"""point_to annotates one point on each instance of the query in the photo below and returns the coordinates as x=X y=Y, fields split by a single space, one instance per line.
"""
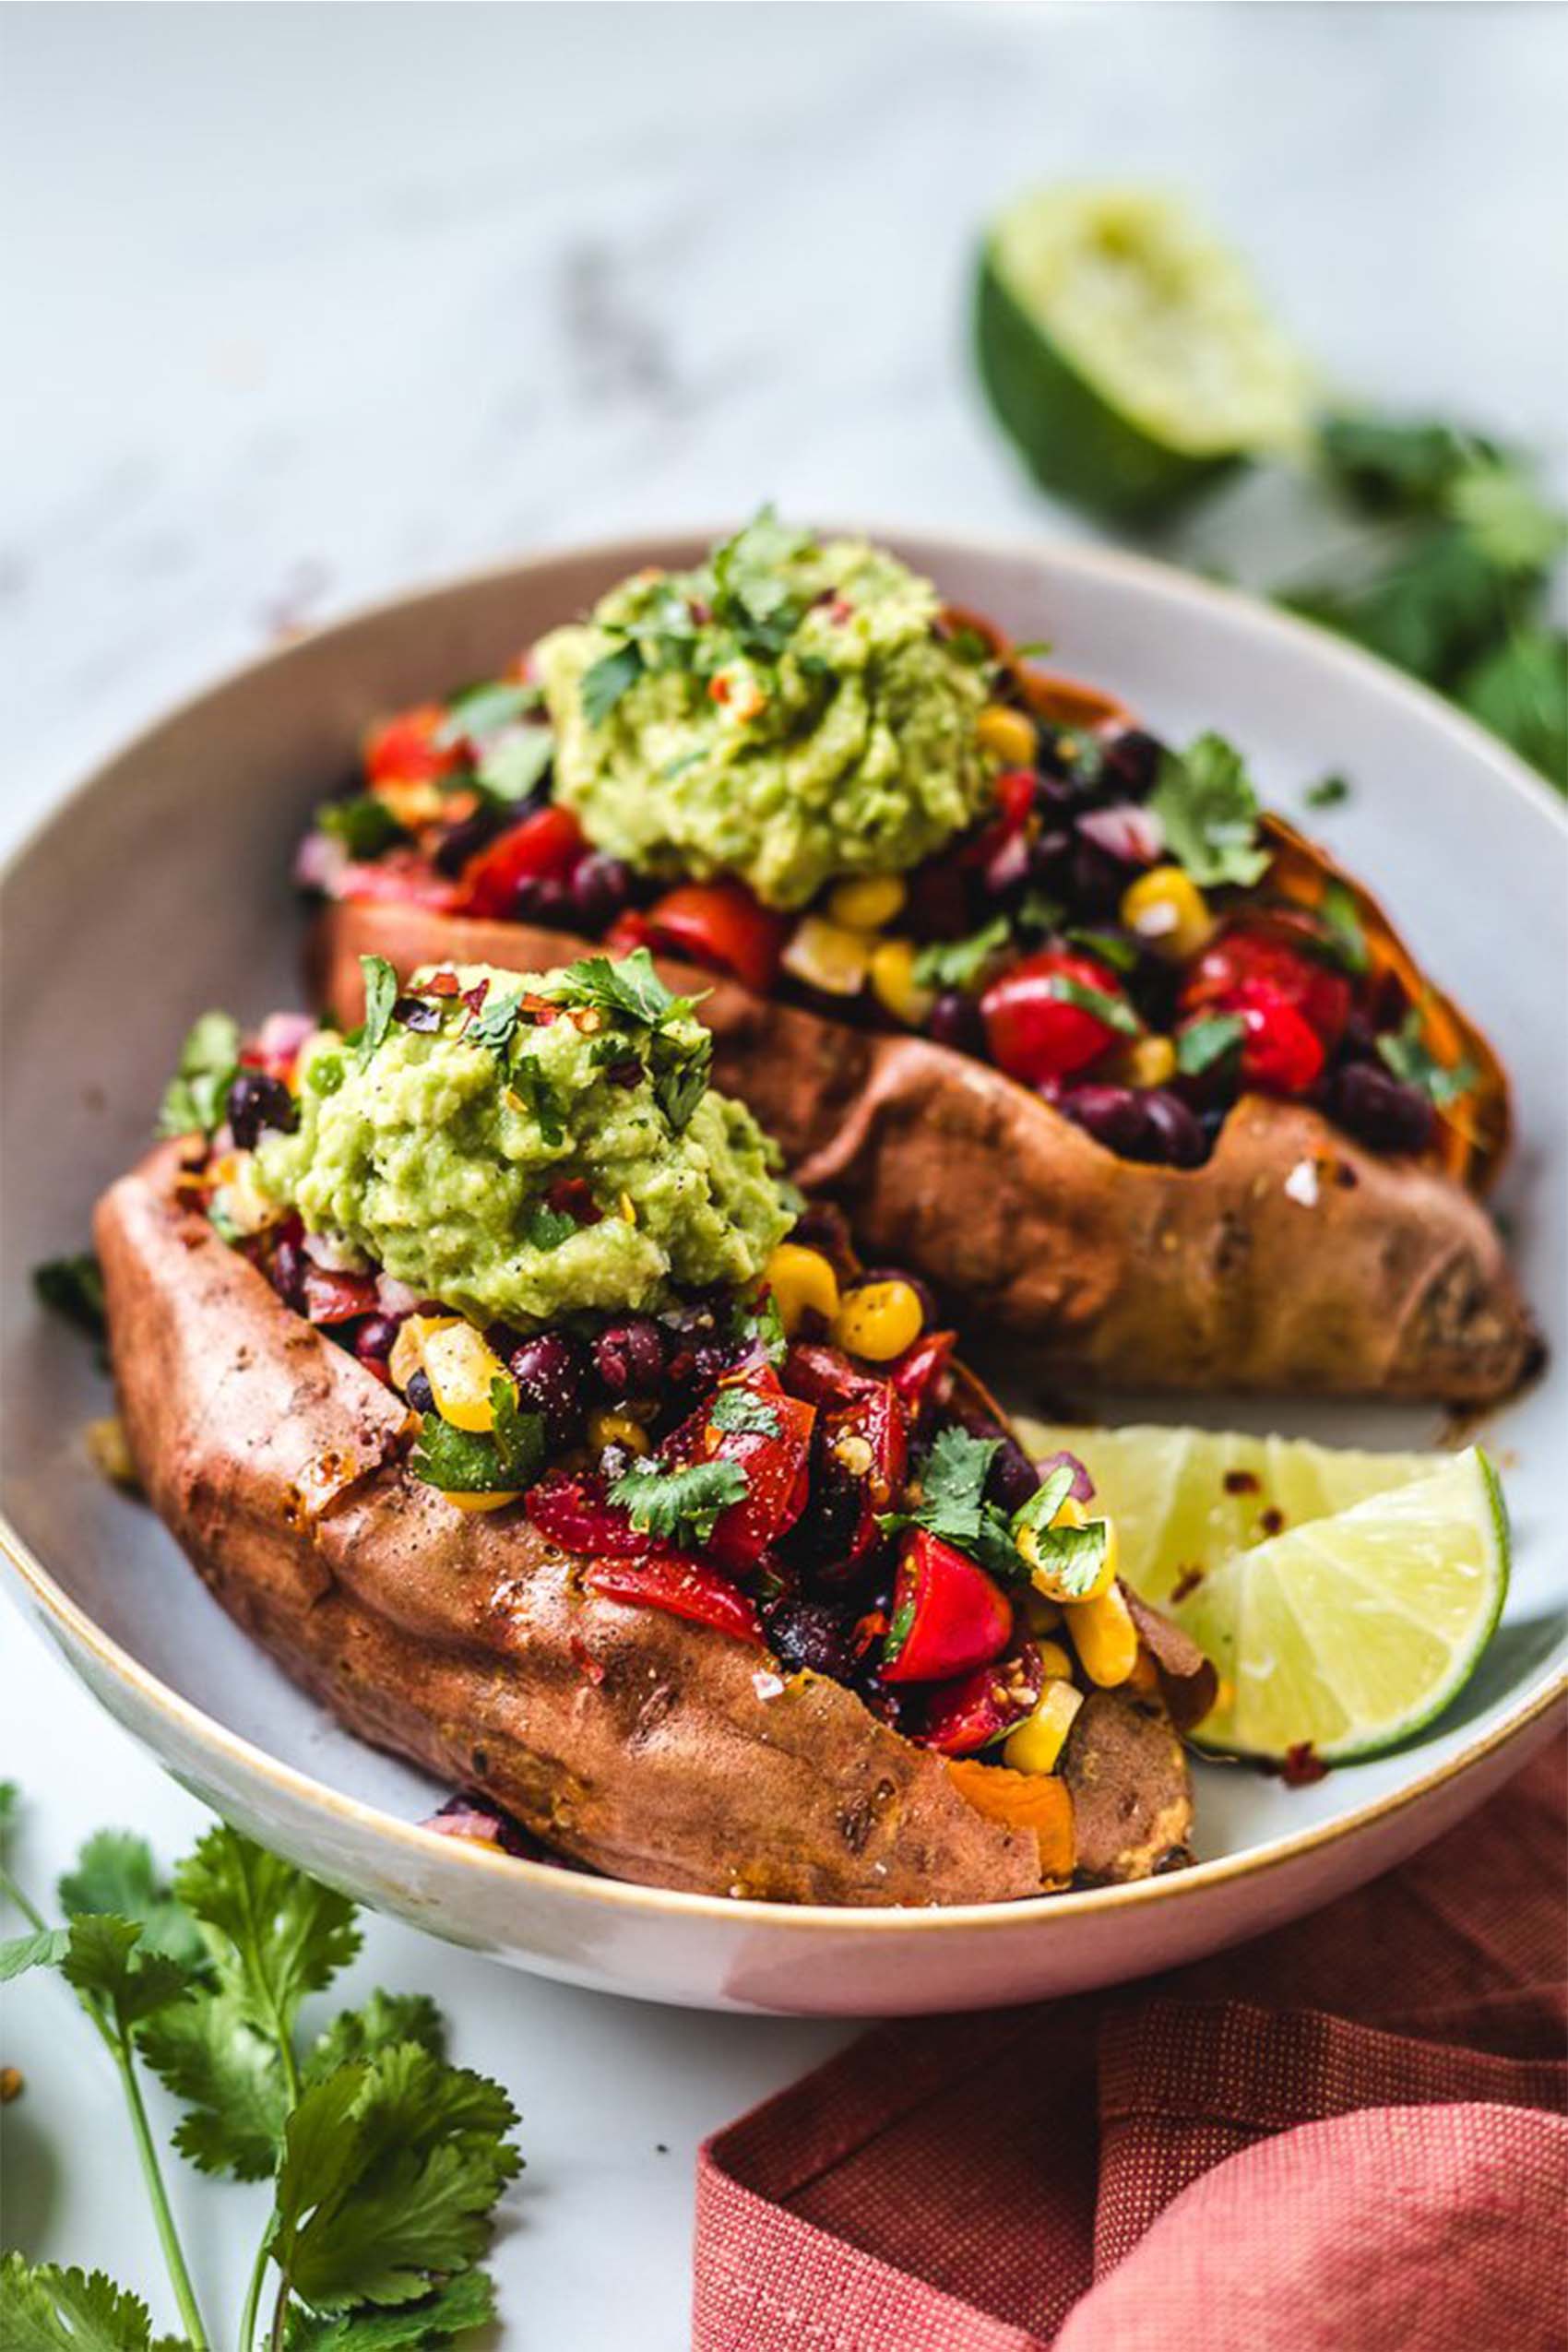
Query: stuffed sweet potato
x=471 y=1371
x=980 y=940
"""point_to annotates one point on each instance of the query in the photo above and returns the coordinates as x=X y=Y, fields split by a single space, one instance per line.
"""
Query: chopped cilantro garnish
x=1073 y=1555
x=682 y=1505
x=1328 y=792
x=1204 y=802
x=209 y=1060
x=606 y=679
x=531 y=1083
x=1341 y=919
x=484 y=710
x=1114 y=1010
x=1404 y=1051
x=1112 y=947
x=73 y=1288
x=953 y=1504
x=545 y=1228
x=742 y=1412
x=365 y=824
x=1201 y=1043
x=380 y=996
x=512 y=764
x=462 y=1461
x=628 y=988
x=961 y=962
x=495 y=1023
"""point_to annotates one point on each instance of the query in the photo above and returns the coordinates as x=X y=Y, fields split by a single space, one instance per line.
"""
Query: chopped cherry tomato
x=1281 y=1053
x=719 y=924
x=980 y=1707
x=777 y=1464
x=401 y=878
x=544 y=848
x=627 y=934
x=275 y=1048
x=1015 y=805
x=405 y=750
x=573 y=1513
x=1035 y=1031
x=1247 y=952
x=948 y=1616
x=685 y=1588
x=920 y=1374
x=824 y=1376
x=337 y=1297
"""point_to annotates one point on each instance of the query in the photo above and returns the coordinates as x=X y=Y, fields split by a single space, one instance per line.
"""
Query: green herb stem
x=168 y=2236
x=253 y=2292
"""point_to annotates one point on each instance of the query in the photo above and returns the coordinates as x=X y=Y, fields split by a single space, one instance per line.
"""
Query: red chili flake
x=572 y=1196
x=449 y=984
x=474 y=997
x=1240 y=1482
x=588 y=1666
x=871 y=1627
x=540 y=1011
x=1187 y=1582
x=841 y=610
x=1272 y=1520
x=1302 y=1765
x=718 y=689
x=701 y=613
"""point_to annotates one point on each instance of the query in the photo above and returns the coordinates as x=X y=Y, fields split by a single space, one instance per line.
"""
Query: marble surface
x=315 y=301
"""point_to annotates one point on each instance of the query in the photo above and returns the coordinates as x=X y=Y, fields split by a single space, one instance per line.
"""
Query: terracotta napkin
x=1349 y=2136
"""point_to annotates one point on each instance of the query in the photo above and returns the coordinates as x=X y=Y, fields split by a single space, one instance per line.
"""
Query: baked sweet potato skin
x=1293 y=1260
x=626 y=1739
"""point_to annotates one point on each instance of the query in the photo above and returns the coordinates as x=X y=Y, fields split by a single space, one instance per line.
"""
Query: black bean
x=420 y=1393
x=1380 y=1110
x=1012 y=1478
x=1179 y=1129
x=1146 y=1123
x=601 y=887
x=955 y=1020
x=375 y=1338
x=629 y=1359
x=1132 y=763
x=256 y=1101
x=811 y=1636
x=551 y=1377
x=465 y=840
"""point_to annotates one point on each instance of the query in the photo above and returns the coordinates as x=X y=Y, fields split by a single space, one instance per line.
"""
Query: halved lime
x=1347 y=1629
x=1126 y=352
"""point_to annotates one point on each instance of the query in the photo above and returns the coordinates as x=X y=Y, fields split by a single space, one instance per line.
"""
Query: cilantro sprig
x=1405 y=1052
x=683 y=1505
x=631 y=998
x=194 y=1098
x=505 y=1459
x=385 y=2161
x=1208 y=811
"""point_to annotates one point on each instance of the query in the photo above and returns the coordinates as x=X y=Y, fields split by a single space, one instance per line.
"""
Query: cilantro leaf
x=1201 y=1043
x=1072 y=1557
x=384 y=2018
x=272 y=1934
x=1519 y=689
x=114 y=1872
x=45 y=2309
x=961 y=962
x=760 y=1325
x=101 y=1960
x=953 y=1480
x=41 y=1948
x=209 y=1060
x=680 y=1078
x=606 y=679
x=1506 y=518
x=1343 y=932
x=364 y=825
x=680 y=1505
x=1328 y=793
x=380 y=996
x=1046 y=1501
x=1405 y=1052
x=531 y=1081
x=1112 y=947
x=1396 y=464
x=545 y=1228
x=742 y=1412
x=229 y=2078
x=1114 y=1010
x=74 y=1288
x=485 y=710
x=466 y=2301
x=1208 y=810
x=495 y=1023
x=503 y=1460
x=515 y=763
x=628 y=988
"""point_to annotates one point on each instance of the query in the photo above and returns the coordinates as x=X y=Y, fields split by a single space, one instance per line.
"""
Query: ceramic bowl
x=161 y=887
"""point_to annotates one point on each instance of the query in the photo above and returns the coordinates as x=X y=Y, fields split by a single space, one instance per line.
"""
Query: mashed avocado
x=467 y=1160
x=784 y=713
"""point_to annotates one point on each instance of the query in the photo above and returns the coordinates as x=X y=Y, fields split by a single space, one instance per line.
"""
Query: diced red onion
x=1081 y=1488
x=337 y=1258
x=394 y=1298
x=319 y=862
x=1126 y=831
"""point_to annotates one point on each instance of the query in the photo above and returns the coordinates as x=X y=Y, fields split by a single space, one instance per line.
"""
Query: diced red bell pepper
x=545 y=846
x=337 y=1297
x=864 y=1449
x=401 y=878
x=1015 y=804
x=573 y=1513
x=824 y=1375
x=948 y=1615
x=685 y=1588
x=920 y=1374
x=970 y=1713
x=721 y=926
x=1035 y=1031
x=1281 y=1053
x=1245 y=953
x=404 y=749
x=777 y=1469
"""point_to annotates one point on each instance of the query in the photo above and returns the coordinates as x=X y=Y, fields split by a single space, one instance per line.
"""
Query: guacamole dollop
x=549 y=1145
x=785 y=713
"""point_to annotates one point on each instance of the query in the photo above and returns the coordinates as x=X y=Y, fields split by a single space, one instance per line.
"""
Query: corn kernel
x=479 y=1501
x=895 y=986
x=1036 y=1743
x=827 y=955
x=1167 y=911
x=879 y=1321
x=869 y=902
x=407 y=1348
x=1006 y=734
x=109 y=1449
x=801 y=1282
x=412 y=800
x=1104 y=1636
x=460 y=1364
x=1143 y=1062
x=616 y=1429
x=1055 y=1663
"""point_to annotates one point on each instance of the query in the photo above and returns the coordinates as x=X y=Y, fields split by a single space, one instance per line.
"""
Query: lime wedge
x=1183 y=1500
x=1126 y=352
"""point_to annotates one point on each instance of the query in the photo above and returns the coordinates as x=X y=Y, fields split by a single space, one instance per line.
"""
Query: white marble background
x=305 y=303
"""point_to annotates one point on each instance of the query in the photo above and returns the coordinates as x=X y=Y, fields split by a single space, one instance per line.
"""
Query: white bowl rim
x=561 y=1883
